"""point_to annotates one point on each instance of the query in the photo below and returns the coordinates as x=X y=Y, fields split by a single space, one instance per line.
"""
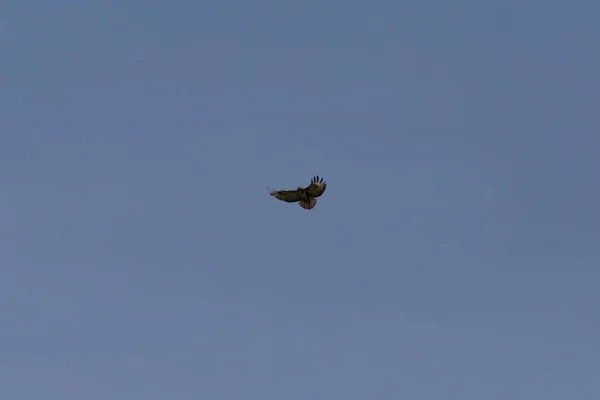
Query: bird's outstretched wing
x=290 y=196
x=317 y=187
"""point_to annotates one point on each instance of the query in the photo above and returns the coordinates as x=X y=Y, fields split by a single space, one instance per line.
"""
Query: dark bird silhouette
x=307 y=197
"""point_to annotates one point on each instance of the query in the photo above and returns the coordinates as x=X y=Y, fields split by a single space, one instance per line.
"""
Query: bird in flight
x=307 y=197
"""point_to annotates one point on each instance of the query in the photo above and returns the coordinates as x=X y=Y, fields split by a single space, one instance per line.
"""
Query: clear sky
x=455 y=254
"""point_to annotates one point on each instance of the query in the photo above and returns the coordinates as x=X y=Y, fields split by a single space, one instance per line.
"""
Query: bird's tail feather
x=309 y=203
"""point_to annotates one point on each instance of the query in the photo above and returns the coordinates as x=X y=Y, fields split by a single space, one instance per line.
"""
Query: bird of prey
x=307 y=197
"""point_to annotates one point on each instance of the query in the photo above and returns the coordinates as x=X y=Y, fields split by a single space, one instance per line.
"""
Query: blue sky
x=454 y=255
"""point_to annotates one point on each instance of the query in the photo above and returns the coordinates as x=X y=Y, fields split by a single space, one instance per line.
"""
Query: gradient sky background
x=455 y=254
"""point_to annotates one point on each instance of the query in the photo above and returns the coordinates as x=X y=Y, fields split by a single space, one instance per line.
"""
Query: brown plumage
x=307 y=197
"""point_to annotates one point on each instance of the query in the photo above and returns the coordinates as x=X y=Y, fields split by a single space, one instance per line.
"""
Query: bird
x=307 y=197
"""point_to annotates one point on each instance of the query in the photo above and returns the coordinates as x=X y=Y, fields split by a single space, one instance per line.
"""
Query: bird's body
x=306 y=197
